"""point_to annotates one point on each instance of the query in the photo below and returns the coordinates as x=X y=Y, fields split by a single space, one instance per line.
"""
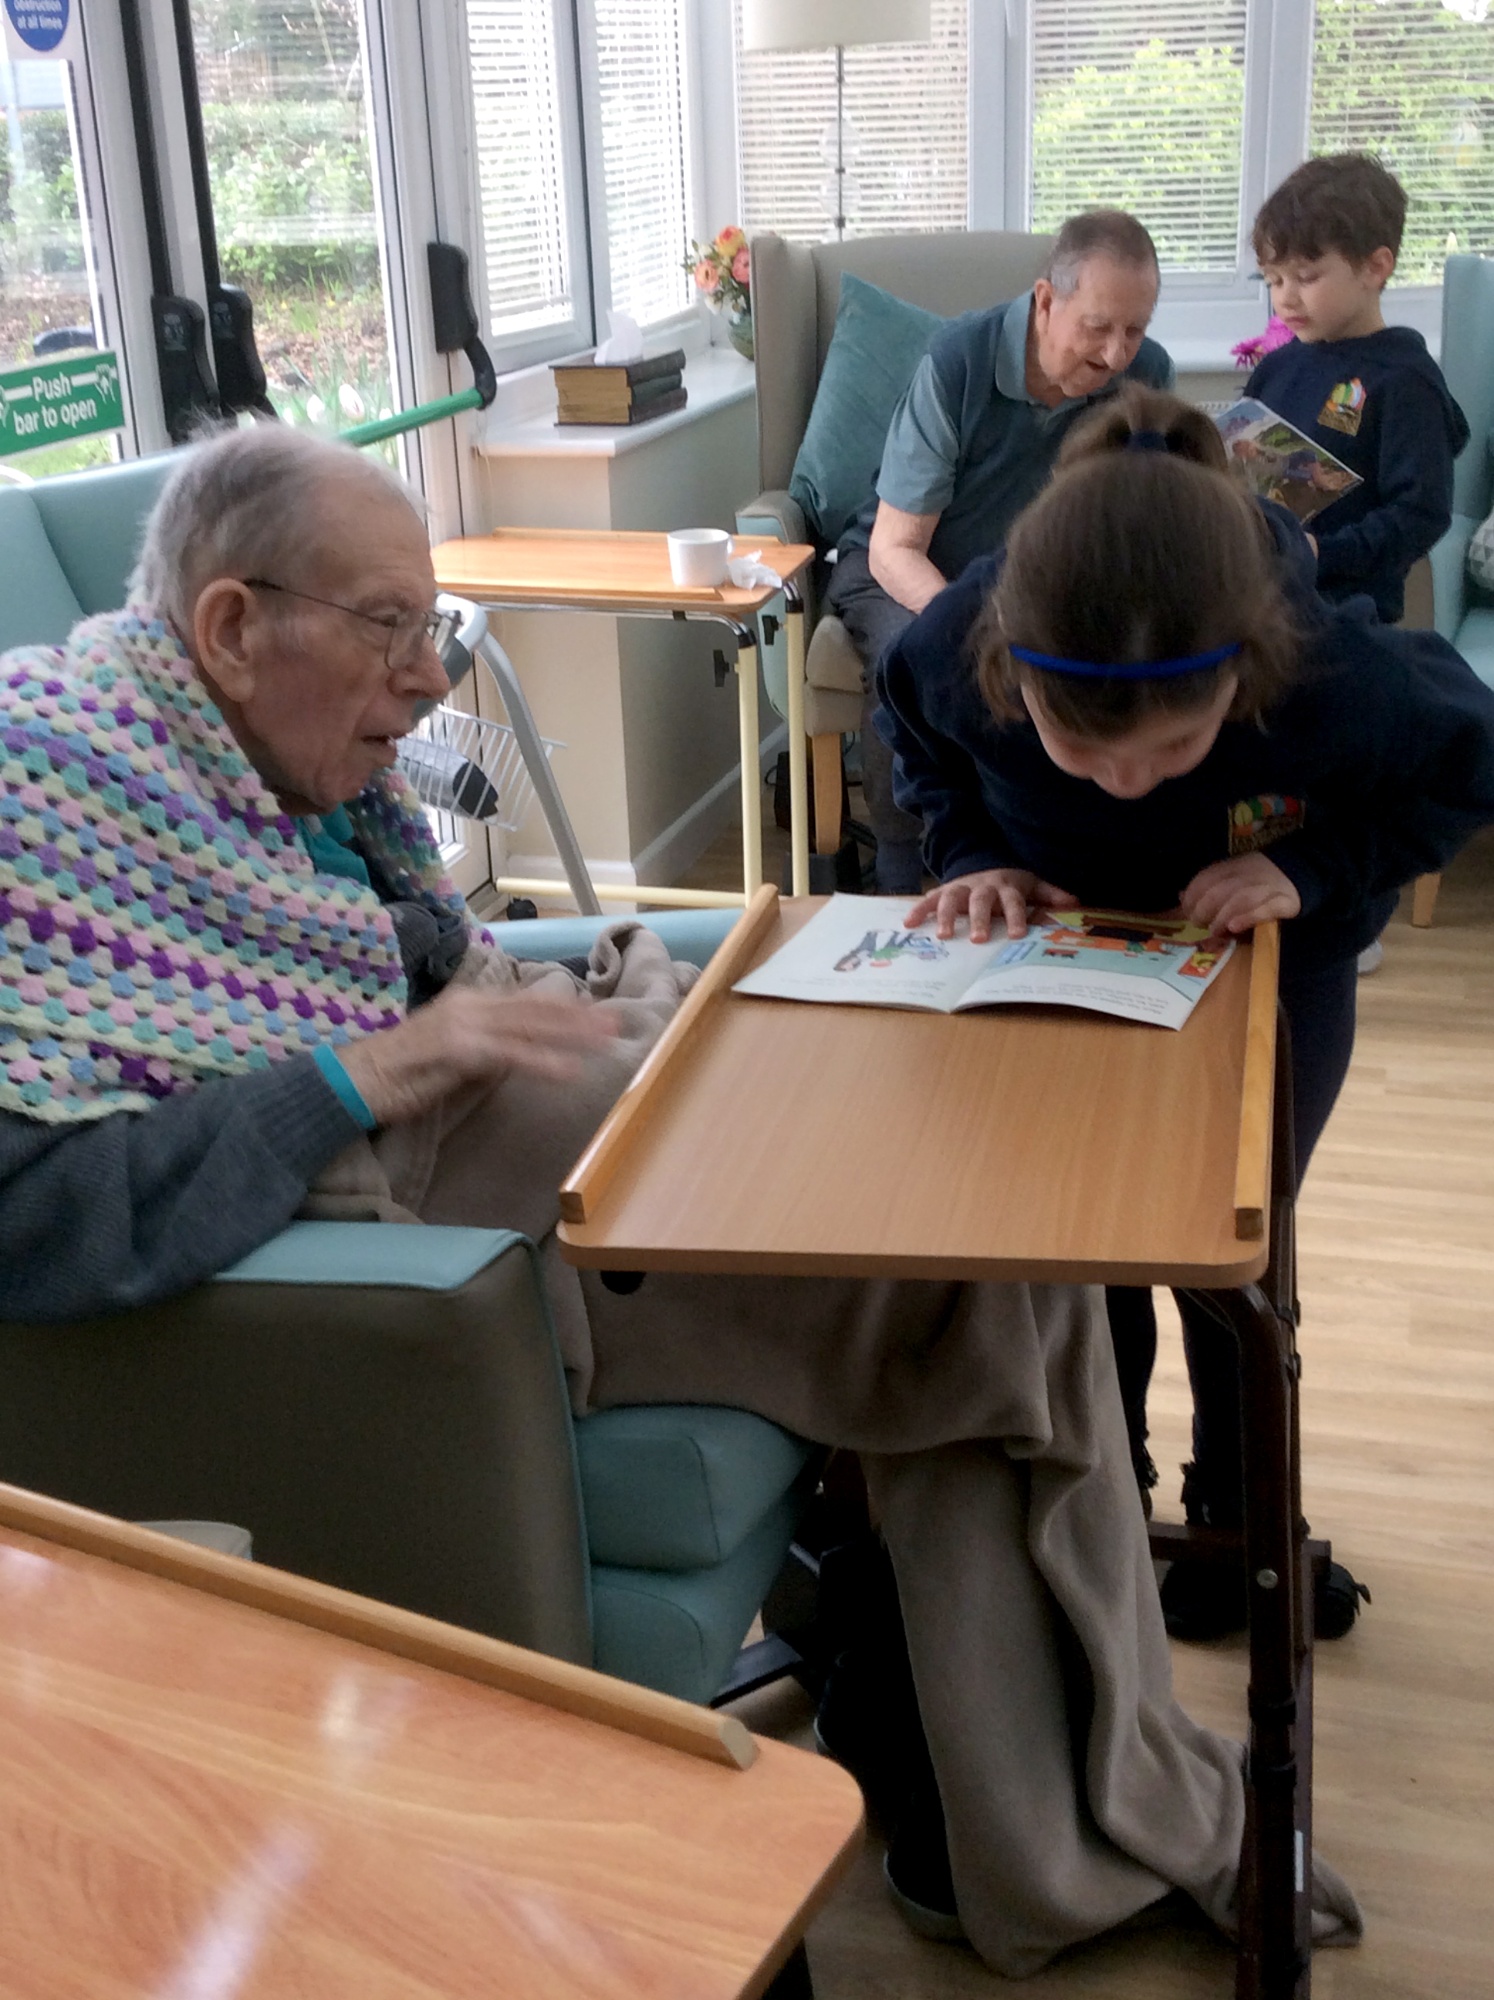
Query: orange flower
x=731 y=240
x=707 y=277
x=741 y=266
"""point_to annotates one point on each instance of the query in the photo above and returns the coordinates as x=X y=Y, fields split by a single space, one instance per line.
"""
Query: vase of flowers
x=722 y=270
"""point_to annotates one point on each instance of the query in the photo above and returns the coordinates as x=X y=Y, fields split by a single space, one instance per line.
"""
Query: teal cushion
x=37 y=603
x=436 y=1258
x=691 y=935
x=680 y=1487
x=95 y=520
x=1474 y=639
x=680 y=1633
x=878 y=342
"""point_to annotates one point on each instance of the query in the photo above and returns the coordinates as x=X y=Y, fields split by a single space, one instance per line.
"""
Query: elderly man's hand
x=466 y=1036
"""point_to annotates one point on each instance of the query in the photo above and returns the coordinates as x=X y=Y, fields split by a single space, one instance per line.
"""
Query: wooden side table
x=1017 y=1143
x=220 y=1778
x=627 y=575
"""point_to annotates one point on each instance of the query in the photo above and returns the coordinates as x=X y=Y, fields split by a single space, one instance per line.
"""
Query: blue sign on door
x=41 y=24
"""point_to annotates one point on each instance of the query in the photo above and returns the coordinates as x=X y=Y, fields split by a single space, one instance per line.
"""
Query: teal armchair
x=383 y=1407
x=1463 y=613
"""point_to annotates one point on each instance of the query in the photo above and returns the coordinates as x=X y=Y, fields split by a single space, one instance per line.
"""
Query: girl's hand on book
x=1234 y=896
x=1006 y=893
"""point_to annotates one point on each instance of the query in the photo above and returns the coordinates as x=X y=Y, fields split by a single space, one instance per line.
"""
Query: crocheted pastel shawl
x=160 y=922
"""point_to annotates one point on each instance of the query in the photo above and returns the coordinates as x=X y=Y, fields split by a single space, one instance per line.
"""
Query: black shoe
x=1335 y=1603
x=917 y=1865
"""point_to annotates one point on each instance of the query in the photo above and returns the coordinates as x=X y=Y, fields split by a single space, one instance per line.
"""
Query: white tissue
x=745 y=571
x=624 y=341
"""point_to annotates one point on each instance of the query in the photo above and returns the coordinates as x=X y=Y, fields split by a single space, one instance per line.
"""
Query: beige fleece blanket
x=493 y=1155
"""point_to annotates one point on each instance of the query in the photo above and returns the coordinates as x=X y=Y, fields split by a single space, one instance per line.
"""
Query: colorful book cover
x=1280 y=462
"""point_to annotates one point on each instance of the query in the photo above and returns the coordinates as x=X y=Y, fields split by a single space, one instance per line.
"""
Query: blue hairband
x=1127 y=670
x=1146 y=441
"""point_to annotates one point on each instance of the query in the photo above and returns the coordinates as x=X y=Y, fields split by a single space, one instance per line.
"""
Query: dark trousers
x=1319 y=1005
x=874 y=620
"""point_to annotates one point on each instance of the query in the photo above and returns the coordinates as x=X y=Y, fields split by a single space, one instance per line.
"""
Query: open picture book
x=1280 y=462
x=858 y=951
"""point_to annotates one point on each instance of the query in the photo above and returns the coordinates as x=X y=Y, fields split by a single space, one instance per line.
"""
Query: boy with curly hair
x=1327 y=241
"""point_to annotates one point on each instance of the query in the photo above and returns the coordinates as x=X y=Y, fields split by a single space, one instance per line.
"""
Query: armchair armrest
x=381 y=1405
x=776 y=512
x=432 y=1259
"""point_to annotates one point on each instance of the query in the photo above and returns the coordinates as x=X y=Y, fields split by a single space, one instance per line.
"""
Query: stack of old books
x=627 y=392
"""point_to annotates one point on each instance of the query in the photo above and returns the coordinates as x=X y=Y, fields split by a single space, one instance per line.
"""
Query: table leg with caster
x=798 y=759
x=752 y=776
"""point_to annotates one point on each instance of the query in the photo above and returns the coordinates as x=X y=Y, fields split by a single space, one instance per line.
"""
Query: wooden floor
x=1396 y=1232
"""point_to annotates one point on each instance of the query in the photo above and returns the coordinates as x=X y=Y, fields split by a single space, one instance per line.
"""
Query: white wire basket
x=465 y=765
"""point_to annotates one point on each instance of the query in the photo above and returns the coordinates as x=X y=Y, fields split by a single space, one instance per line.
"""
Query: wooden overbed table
x=627 y=574
x=218 y=1779
x=1019 y=1143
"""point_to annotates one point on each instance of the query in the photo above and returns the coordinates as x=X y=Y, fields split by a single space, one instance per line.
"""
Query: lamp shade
x=828 y=24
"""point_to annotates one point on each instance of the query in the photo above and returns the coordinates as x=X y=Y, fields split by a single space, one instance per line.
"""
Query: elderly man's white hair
x=246 y=503
x=1098 y=232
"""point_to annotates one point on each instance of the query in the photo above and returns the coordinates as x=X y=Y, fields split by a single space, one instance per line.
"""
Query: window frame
x=1201 y=314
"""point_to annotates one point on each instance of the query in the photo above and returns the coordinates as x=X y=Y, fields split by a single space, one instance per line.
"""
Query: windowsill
x=1199 y=332
x=714 y=378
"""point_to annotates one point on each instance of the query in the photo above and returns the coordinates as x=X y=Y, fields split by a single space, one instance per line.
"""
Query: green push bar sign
x=53 y=402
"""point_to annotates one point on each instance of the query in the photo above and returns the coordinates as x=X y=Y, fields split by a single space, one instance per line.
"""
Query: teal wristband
x=343 y=1087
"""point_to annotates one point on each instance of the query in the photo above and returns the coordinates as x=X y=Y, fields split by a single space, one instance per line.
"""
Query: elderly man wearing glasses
x=235 y=985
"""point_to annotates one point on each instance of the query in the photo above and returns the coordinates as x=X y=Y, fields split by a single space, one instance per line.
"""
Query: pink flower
x=1248 y=352
x=741 y=265
x=707 y=277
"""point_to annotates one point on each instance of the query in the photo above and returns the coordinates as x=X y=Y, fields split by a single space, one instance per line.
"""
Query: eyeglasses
x=408 y=630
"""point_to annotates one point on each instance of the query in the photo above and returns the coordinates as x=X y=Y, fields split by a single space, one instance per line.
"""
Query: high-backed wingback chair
x=795 y=294
x=383 y=1407
x=1439 y=591
x=1463 y=613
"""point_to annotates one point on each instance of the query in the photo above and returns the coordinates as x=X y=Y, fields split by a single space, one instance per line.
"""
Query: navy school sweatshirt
x=1374 y=768
x=1379 y=404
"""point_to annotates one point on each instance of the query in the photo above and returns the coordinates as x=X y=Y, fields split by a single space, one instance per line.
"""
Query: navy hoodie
x=1397 y=427
x=1374 y=768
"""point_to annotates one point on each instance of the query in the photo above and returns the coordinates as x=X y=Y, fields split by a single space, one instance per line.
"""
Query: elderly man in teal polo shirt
x=972 y=441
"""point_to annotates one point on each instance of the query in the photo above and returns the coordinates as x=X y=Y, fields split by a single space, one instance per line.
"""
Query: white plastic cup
x=697 y=556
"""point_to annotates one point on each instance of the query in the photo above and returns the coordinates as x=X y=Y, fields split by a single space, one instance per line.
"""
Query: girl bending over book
x=1143 y=705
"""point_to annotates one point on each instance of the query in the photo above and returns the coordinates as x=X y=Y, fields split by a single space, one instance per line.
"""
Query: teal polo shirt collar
x=1011 y=352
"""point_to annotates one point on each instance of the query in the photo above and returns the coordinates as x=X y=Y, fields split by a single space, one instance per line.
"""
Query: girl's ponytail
x=1144 y=550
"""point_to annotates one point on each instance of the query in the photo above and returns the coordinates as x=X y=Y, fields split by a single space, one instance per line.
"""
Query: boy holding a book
x=1327 y=241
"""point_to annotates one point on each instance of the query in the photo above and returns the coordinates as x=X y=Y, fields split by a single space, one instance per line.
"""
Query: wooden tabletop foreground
x=203 y=1799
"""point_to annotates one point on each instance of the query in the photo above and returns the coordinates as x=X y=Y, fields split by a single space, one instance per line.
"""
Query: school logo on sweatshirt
x=1255 y=823
x=1344 y=407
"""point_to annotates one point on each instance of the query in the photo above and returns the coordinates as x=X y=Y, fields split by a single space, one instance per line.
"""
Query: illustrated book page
x=858 y=951
x=1280 y=463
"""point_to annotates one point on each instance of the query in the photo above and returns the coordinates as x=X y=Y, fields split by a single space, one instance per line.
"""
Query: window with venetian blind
x=520 y=170
x=640 y=69
x=1140 y=104
x=906 y=109
x=1414 y=83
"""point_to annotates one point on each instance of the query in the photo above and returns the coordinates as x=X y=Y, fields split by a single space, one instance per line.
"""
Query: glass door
x=293 y=220
x=64 y=402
